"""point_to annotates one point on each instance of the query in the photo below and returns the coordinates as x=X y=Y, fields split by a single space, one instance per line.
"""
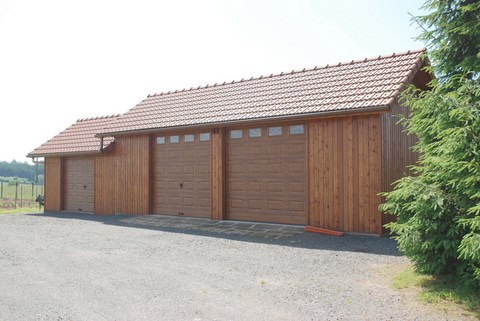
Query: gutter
x=90 y=153
x=380 y=108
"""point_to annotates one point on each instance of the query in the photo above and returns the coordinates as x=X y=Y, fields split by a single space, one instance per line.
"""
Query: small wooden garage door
x=265 y=179
x=78 y=188
x=182 y=174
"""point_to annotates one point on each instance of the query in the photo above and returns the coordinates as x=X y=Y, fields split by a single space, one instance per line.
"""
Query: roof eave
x=65 y=154
x=346 y=112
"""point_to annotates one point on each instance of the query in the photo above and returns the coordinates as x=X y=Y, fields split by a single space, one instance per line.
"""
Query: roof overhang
x=330 y=113
x=87 y=153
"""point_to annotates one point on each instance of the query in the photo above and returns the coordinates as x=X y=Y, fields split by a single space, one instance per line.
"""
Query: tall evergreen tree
x=438 y=209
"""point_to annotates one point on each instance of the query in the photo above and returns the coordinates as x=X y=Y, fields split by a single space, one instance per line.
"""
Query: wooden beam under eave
x=217 y=163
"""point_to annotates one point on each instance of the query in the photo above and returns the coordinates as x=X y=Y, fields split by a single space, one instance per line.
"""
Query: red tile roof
x=76 y=139
x=351 y=86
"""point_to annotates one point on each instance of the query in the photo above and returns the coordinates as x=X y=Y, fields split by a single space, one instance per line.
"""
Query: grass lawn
x=440 y=291
x=25 y=198
x=23 y=190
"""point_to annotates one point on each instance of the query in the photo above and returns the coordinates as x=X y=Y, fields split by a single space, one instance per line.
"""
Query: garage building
x=313 y=147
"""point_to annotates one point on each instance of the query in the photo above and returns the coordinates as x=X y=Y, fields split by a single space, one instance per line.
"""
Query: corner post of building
x=217 y=161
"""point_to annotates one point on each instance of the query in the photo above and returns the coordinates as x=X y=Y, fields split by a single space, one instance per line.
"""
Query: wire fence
x=19 y=195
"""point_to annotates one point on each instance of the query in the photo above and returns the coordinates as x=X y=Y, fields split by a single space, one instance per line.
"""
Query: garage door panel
x=296 y=206
x=204 y=202
x=254 y=187
x=204 y=169
x=172 y=185
x=182 y=180
x=173 y=154
x=275 y=205
x=253 y=149
x=189 y=169
x=276 y=187
x=266 y=177
x=236 y=169
x=255 y=169
x=276 y=170
x=236 y=186
x=236 y=203
x=174 y=169
x=274 y=150
x=188 y=201
x=188 y=186
x=79 y=184
x=204 y=186
x=293 y=187
x=298 y=167
x=295 y=147
x=255 y=204
x=203 y=153
x=188 y=153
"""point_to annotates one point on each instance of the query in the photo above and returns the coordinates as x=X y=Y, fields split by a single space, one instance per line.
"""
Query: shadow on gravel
x=283 y=235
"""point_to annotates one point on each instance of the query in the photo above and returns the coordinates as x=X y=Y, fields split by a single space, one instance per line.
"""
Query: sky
x=64 y=60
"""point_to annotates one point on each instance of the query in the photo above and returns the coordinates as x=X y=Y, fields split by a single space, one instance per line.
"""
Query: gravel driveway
x=81 y=267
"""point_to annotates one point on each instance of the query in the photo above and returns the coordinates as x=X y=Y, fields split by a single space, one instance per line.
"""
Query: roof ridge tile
x=351 y=62
x=98 y=117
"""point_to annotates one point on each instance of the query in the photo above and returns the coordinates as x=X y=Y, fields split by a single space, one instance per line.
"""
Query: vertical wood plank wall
x=105 y=184
x=217 y=163
x=344 y=173
x=53 y=183
x=396 y=150
x=132 y=166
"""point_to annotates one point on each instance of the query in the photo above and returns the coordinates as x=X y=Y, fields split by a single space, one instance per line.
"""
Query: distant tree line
x=21 y=172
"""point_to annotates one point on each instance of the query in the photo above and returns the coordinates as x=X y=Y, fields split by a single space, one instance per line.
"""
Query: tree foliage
x=438 y=209
x=19 y=169
x=452 y=32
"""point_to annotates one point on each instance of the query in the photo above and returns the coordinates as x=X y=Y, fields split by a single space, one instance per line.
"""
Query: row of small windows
x=236 y=133
x=272 y=131
x=188 y=138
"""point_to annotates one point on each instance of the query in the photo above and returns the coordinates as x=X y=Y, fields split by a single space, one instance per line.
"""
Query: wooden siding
x=53 y=183
x=217 y=183
x=344 y=179
x=132 y=166
x=396 y=150
x=105 y=184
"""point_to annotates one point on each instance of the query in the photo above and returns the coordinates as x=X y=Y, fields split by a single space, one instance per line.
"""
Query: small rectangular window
x=174 y=139
x=255 y=132
x=189 y=138
x=204 y=137
x=160 y=140
x=296 y=130
x=275 y=131
x=237 y=133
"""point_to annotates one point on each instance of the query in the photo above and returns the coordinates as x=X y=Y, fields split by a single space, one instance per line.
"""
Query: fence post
x=21 y=195
x=32 y=191
x=16 y=193
x=1 y=190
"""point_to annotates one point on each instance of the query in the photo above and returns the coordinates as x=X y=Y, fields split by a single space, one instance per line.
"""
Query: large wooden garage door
x=265 y=179
x=78 y=190
x=182 y=175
